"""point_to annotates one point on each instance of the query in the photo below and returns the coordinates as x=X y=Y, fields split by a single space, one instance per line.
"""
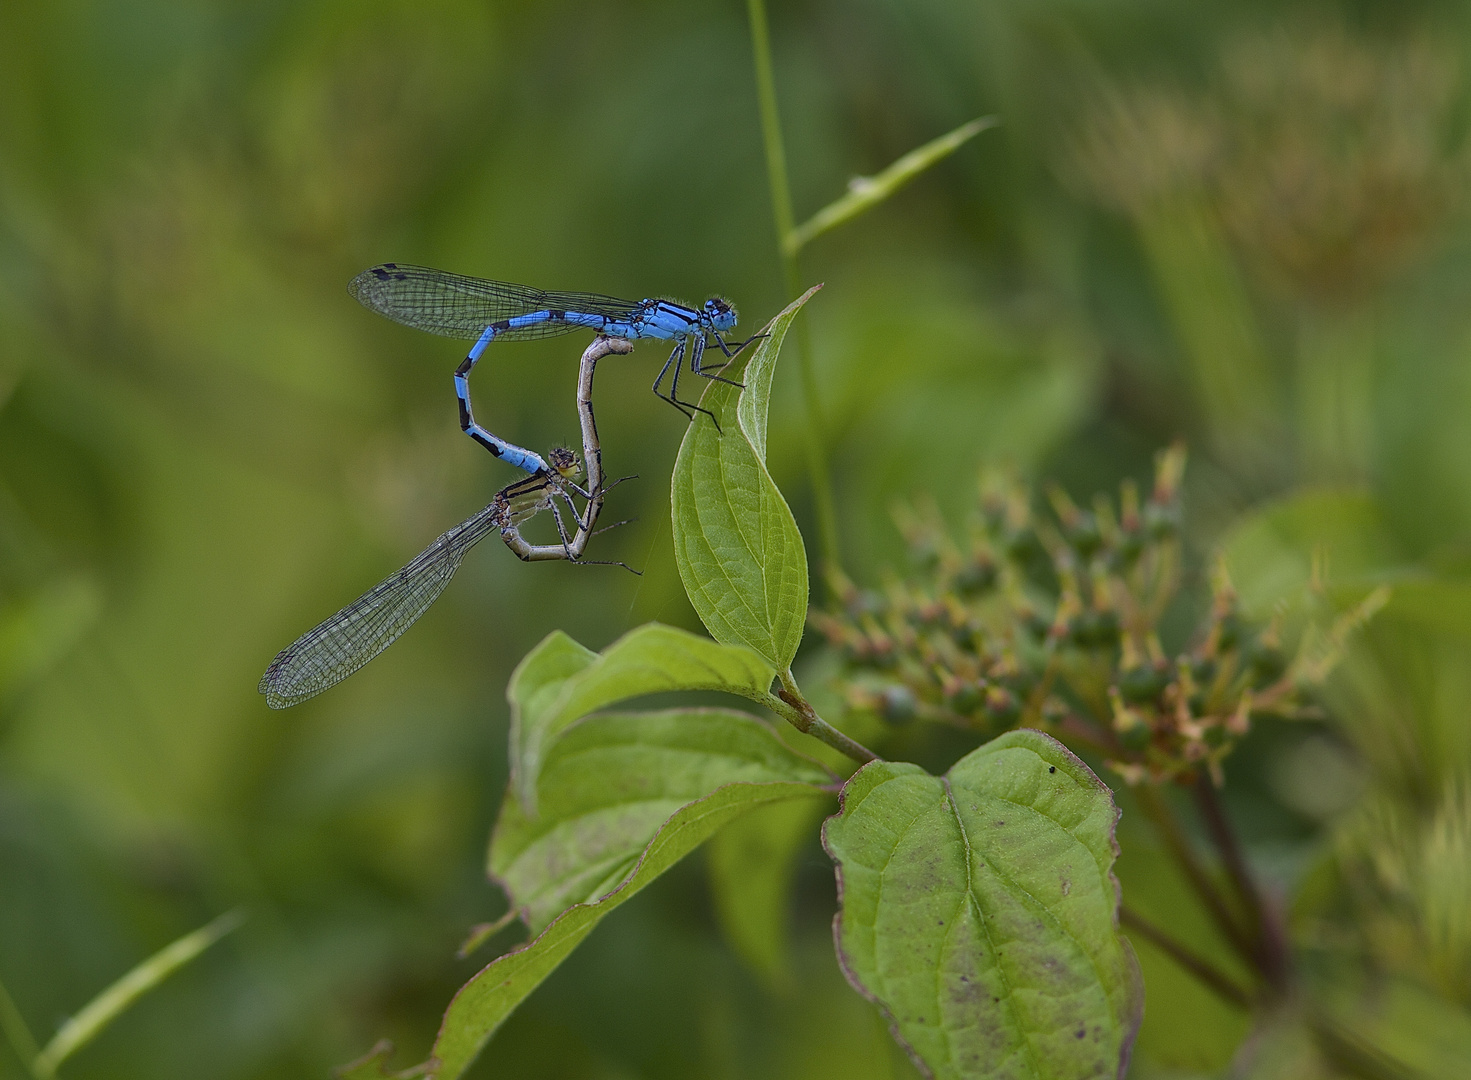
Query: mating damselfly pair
x=453 y=305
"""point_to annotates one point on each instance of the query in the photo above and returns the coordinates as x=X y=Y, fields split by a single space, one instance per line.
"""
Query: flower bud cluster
x=1052 y=621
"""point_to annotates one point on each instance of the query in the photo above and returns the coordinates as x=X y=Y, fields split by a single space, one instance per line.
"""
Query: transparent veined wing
x=339 y=645
x=457 y=306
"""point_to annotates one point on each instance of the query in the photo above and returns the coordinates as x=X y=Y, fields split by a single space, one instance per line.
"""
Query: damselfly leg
x=676 y=361
x=698 y=352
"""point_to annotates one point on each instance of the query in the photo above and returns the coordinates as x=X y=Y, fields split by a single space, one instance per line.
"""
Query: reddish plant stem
x=1211 y=976
x=1271 y=957
x=1179 y=846
x=805 y=719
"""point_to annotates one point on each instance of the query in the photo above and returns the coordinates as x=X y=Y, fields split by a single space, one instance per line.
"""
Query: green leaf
x=37 y=631
x=623 y=798
x=560 y=682
x=539 y=676
x=736 y=543
x=608 y=785
x=107 y=1006
x=979 y=911
x=1425 y=1034
x=1271 y=550
x=866 y=192
x=751 y=865
x=754 y=400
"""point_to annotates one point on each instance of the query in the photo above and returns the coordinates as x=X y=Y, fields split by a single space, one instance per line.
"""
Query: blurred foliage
x=1240 y=224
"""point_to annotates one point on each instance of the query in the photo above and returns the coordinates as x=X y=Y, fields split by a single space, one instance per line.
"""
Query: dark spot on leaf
x=998 y=824
x=1052 y=768
x=1080 y=1033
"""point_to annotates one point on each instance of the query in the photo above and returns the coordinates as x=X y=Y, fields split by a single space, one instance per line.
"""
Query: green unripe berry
x=1143 y=684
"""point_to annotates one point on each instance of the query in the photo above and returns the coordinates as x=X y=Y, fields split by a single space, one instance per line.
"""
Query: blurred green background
x=1237 y=223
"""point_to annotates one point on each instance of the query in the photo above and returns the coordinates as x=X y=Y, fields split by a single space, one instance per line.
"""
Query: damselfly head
x=721 y=315
x=565 y=462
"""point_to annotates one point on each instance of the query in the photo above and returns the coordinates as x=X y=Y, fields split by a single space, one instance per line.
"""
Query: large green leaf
x=979 y=911
x=736 y=543
x=559 y=682
x=751 y=864
x=623 y=798
x=608 y=784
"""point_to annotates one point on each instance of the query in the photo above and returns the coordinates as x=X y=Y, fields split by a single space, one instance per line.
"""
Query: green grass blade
x=112 y=1002
x=866 y=192
x=16 y=1033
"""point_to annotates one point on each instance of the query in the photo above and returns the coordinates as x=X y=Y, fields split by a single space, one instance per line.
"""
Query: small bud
x=975 y=578
x=897 y=704
x=1094 y=629
x=1084 y=536
x=1127 y=549
x=1267 y=663
x=1002 y=706
x=1161 y=520
x=1022 y=546
x=1133 y=731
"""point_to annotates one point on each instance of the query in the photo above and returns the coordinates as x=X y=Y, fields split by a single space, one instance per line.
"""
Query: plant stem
x=1271 y=936
x=1355 y=1056
x=776 y=157
x=797 y=711
x=1202 y=969
x=1179 y=845
x=781 y=209
x=16 y=1033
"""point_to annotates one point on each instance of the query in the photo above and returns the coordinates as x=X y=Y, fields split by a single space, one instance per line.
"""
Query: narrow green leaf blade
x=107 y=1006
x=754 y=401
x=649 y=659
x=736 y=543
x=624 y=797
x=979 y=911
x=866 y=192
x=609 y=784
